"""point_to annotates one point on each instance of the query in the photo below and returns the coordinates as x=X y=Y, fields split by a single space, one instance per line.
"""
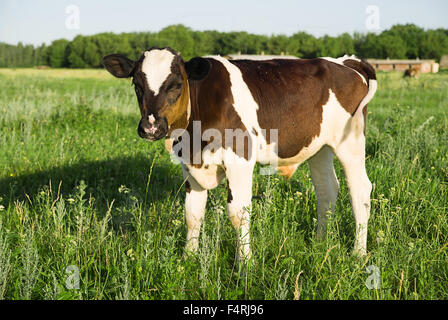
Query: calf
x=412 y=72
x=284 y=111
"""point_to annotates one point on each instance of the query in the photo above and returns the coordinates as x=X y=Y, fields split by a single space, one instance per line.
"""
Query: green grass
x=78 y=187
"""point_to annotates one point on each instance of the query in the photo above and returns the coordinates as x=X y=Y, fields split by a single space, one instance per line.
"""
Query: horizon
x=67 y=19
x=150 y=31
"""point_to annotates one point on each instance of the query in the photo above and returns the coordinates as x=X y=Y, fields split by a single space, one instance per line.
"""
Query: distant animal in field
x=412 y=72
x=220 y=117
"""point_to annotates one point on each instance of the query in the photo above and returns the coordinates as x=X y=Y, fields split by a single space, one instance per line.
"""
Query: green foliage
x=177 y=36
x=75 y=51
x=336 y=46
x=57 y=53
x=18 y=56
x=400 y=41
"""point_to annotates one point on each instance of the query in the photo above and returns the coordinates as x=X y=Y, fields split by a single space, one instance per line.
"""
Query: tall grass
x=79 y=188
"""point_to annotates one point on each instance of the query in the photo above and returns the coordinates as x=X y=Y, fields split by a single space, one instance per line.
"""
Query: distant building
x=444 y=62
x=424 y=66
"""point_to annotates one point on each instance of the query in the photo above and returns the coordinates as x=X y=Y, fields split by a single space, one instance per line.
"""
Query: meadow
x=82 y=194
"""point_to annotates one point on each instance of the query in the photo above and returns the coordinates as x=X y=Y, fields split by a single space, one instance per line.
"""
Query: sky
x=42 y=21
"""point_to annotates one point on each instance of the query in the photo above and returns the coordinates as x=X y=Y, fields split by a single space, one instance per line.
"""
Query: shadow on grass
x=103 y=180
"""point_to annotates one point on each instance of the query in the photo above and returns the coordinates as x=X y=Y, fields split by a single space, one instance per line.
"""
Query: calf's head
x=160 y=82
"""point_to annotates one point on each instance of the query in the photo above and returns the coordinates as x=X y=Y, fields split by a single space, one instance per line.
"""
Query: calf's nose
x=152 y=128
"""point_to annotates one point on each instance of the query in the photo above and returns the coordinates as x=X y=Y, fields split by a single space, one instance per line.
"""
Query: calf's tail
x=372 y=83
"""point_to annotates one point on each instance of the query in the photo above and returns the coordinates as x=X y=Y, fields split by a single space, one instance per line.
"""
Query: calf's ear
x=197 y=68
x=118 y=65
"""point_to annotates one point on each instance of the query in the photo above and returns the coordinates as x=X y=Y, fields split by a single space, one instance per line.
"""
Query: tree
x=92 y=58
x=410 y=36
x=303 y=45
x=56 y=53
x=75 y=51
x=40 y=56
x=278 y=44
x=433 y=44
x=400 y=41
x=367 y=46
x=392 y=46
x=179 y=38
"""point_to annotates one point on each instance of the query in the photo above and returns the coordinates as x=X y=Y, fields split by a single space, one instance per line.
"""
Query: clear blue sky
x=38 y=21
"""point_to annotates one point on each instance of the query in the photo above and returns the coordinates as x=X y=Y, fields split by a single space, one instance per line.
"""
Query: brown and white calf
x=287 y=111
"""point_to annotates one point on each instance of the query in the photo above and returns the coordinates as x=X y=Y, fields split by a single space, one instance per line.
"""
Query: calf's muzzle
x=152 y=129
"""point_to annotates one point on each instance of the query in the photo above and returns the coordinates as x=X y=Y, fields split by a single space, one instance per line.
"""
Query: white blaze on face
x=157 y=67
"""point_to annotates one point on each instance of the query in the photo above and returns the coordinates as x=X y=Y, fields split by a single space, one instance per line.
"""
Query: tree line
x=399 y=42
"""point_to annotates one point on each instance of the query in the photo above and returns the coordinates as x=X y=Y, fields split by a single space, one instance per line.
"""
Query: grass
x=79 y=188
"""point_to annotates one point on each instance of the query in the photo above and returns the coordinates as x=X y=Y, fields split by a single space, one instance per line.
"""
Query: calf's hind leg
x=326 y=186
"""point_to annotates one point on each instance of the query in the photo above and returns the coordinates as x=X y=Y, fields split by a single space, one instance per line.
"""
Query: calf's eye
x=174 y=86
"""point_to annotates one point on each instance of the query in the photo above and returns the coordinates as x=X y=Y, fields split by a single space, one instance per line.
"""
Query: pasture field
x=80 y=191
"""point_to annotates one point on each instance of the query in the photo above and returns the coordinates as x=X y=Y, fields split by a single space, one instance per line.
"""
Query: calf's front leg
x=239 y=184
x=195 y=201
